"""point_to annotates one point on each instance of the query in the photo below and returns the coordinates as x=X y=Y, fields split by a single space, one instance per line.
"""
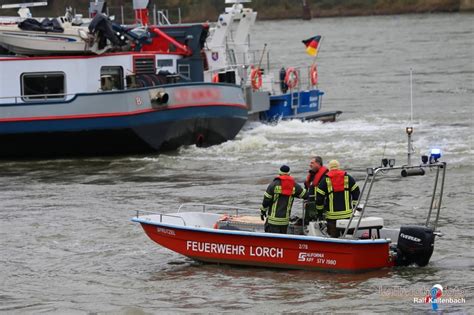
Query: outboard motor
x=415 y=245
x=102 y=25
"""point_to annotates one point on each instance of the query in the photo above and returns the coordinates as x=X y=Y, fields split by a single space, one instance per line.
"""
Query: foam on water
x=364 y=140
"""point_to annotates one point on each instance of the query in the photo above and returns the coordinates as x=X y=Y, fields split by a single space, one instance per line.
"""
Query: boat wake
x=358 y=141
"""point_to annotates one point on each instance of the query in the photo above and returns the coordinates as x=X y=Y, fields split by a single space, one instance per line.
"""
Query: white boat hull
x=39 y=43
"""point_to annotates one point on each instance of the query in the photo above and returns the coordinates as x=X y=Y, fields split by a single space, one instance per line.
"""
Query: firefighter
x=278 y=200
x=317 y=172
x=339 y=191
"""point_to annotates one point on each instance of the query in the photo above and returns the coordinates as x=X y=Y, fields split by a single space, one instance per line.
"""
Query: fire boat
x=234 y=235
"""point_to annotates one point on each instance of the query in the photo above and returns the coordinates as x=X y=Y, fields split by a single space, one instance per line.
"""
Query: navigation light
x=391 y=162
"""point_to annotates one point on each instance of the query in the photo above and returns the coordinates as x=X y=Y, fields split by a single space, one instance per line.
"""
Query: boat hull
x=123 y=122
x=271 y=250
x=301 y=105
x=41 y=43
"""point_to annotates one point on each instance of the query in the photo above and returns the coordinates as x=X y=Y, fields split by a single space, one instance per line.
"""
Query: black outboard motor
x=103 y=26
x=283 y=86
x=415 y=245
x=138 y=35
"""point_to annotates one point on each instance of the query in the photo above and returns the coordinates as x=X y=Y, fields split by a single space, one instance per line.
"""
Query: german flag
x=312 y=45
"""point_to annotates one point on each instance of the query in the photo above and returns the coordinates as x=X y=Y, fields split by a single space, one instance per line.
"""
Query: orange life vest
x=317 y=177
x=337 y=180
x=287 y=184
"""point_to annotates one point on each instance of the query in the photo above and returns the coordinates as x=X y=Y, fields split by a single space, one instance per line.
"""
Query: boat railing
x=243 y=62
x=257 y=58
x=237 y=67
x=22 y=99
x=262 y=58
x=244 y=71
x=214 y=207
x=166 y=16
x=406 y=171
x=303 y=82
x=161 y=18
x=161 y=215
x=49 y=98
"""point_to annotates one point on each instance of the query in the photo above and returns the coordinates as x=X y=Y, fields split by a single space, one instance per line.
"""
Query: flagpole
x=315 y=57
x=317 y=53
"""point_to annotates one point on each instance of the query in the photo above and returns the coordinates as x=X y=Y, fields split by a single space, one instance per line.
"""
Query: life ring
x=256 y=78
x=291 y=78
x=313 y=75
x=215 y=78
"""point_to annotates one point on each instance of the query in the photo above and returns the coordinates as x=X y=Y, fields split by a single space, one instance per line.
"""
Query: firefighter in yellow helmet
x=278 y=200
x=336 y=195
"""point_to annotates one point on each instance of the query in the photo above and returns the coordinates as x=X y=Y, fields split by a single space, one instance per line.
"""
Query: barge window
x=111 y=78
x=165 y=63
x=185 y=71
x=44 y=85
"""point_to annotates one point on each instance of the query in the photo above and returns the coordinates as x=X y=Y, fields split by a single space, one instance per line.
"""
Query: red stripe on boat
x=105 y=115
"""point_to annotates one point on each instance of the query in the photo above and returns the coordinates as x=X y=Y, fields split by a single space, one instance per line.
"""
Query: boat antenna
x=263 y=54
x=411 y=96
x=409 y=130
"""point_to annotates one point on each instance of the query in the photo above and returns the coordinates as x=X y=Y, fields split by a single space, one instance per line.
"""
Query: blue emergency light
x=435 y=155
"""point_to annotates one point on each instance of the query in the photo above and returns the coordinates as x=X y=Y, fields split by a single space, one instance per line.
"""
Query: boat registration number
x=316 y=257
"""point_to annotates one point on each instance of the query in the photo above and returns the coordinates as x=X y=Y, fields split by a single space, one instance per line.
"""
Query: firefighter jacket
x=337 y=194
x=278 y=199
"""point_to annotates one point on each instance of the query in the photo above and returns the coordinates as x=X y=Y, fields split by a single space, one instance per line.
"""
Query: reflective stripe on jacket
x=278 y=200
x=340 y=193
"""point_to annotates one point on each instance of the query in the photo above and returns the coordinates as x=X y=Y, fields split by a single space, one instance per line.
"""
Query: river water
x=68 y=246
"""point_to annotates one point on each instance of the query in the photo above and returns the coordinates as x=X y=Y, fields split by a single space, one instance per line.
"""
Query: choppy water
x=67 y=245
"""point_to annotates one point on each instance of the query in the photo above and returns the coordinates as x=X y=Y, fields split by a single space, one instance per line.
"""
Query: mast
x=409 y=130
x=141 y=12
x=95 y=8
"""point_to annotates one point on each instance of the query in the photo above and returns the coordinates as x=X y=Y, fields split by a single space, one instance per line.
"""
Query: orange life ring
x=256 y=78
x=291 y=78
x=215 y=78
x=313 y=75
